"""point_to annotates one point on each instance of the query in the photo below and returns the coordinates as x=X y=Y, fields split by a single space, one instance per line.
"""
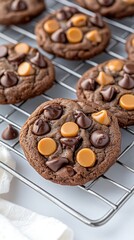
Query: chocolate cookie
x=130 y=47
x=71 y=34
x=110 y=8
x=111 y=85
x=70 y=142
x=19 y=11
x=24 y=73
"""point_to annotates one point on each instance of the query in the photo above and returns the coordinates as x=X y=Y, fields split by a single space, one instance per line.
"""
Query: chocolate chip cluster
x=61 y=141
x=23 y=62
x=69 y=25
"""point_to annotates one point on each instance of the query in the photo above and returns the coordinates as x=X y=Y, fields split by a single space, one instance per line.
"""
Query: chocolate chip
x=61 y=15
x=71 y=143
x=126 y=82
x=106 y=3
x=97 y=20
x=39 y=60
x=59 y=36
x=82 y=120
x=41 y=127
x=9 y=79
x=53 y=112
x=99 y=139
x=108 y=93
x=17 y=59
x=18 y=5
x=57 y=163
x=3 y=51
x=88 y=84
x=10 y=133
x=129 y=67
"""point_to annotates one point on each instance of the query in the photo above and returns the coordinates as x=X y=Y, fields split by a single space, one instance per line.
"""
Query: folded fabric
x=5 y=178
x=19 y=223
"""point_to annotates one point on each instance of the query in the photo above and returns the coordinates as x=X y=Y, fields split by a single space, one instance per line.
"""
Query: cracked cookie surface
x=19 y=11
x=109 y=8
x=71 y=34
x=24 y=73
x=111 y=85
x=70 y=142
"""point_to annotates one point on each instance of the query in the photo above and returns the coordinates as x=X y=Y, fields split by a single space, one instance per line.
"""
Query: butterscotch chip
x=115 y=65
x=133 y=42
x=22 y=48
x=101 y=117
x=86 y=157
x=104 y=79
x=69 y=129
x=129 y=1
x=51 y=26
x=127 y=102
x=74 y=35
x=25 y=69
x=47 y=146
x=79 y=20
x=94 y=36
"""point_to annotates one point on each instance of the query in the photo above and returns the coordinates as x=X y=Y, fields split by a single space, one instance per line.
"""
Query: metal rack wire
x=67 y=74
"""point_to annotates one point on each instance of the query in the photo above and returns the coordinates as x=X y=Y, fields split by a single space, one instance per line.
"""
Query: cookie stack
x=70 y=142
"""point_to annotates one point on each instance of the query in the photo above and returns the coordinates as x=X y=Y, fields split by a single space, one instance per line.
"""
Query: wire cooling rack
x=105 y=195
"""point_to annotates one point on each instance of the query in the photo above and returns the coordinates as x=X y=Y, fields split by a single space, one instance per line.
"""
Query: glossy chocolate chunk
x=41 y=127
x=97 y=20
x=18 y=59
x=57 y=163
x=59 y=36
x=39 y=60
x=3 y=51
x=88 y=84
x=129 y=68
x=53 y=112
x=10 y=133
x=126 y=82
x=106 y=3
x=8 y=79
x=108 y=93
x=71 y=142
x=18 y=5
x=82 y=120
x=99 y=139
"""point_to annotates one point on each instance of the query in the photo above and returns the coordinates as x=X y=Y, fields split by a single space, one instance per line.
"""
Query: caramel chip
x=127 y=102
x=133 y=42
x=86 y=157
x=115 y=65
x=104 y=79
x=47 y=146
x=94 y=36
x=74 y=35
x=101 y=117
x=25 y=69
x=129 y=1
x=69 y=129
x=22 y=48
x=79 y=20
x=51 y=26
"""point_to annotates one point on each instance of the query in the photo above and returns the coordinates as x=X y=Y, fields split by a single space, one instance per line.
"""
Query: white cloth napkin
x=18 y=223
